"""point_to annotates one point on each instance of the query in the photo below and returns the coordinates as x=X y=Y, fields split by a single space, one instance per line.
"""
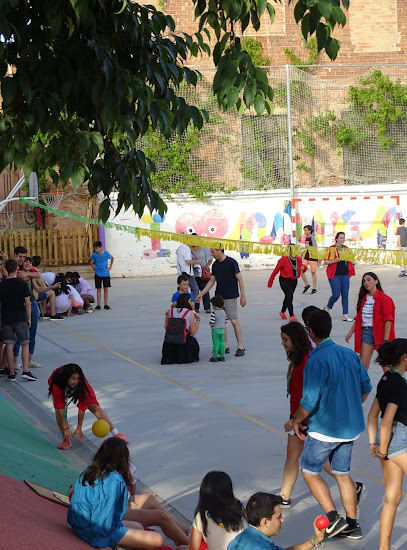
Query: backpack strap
x=171 y=313
x=185 y=314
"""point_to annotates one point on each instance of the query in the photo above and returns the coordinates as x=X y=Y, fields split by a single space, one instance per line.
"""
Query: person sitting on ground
x=219 y=515
x=64 y=296
x=44 y=293
x=84 y=288
x=182 y=288
x=67 y=384
x=265 y=518
x=98 y=512
x=187 y=352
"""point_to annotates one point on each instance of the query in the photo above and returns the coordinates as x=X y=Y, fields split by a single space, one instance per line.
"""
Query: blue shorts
x=367 y=336
x=117 y=535
x=398 y=440
x=316 y=453
x=42 y=296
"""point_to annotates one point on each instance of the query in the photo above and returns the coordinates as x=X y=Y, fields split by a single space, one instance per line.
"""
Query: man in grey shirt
x=203 y=254
x=402 y=242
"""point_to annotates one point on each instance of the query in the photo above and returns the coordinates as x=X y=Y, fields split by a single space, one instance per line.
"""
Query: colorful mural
x=155 y=251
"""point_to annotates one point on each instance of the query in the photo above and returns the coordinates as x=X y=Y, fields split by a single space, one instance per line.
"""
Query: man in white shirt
x=185 y=266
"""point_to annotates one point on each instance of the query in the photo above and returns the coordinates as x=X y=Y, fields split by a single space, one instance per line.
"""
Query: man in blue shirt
x=265 y=520
x=335 y=385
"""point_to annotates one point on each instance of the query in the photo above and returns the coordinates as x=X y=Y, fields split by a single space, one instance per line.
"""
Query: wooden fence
x=69 y=246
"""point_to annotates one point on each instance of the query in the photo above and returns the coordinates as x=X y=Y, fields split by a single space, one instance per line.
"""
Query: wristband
x=372 y=445
x=315 y=543
x=381 y=455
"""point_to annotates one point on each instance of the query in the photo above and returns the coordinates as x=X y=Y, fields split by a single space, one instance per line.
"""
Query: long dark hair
x=339 y=233
x=60 y=379
x=300 y=339
x=389 y=353
x=183 y=301
x=112 y=456
x=363 y=291
x=60 y=278
x=216 y=498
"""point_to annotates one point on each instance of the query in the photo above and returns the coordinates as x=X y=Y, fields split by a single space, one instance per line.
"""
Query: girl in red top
x=67 y=384
x=295 y=340
x=291 y=268
x=339 y=272
x=374 y=321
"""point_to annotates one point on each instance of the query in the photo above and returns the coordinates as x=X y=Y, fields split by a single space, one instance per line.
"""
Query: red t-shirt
x=58 y=395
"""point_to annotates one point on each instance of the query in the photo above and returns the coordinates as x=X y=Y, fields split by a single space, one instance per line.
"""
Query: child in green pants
x=218 y=323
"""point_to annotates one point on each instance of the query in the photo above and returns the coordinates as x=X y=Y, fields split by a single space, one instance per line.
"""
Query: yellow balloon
x=100 y=428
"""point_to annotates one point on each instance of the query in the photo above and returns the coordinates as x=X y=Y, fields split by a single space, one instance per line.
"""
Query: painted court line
x=204 y=396
x=54 y=343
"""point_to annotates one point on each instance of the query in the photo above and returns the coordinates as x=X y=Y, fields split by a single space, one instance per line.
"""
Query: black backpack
x=176 y=331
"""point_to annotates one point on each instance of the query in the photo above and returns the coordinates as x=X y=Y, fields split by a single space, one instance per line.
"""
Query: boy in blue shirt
x=182 y=288
x=99 y=262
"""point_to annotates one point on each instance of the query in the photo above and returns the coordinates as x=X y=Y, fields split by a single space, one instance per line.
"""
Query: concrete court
x=184 y=420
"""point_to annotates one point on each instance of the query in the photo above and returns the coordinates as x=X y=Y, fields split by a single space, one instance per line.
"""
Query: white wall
x=367 y=215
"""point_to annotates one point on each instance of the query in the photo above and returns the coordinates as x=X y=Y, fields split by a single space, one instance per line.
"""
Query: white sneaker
x=17 y=365
x=34 y=364
x=89 y=310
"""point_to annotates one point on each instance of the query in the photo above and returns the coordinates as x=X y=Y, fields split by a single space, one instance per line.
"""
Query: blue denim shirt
x=252 y=539
x=334 y=381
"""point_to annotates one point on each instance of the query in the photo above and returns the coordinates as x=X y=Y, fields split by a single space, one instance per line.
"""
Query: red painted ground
x=29 y=521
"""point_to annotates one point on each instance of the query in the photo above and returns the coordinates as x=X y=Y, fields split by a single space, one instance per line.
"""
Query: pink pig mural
x=213 y=223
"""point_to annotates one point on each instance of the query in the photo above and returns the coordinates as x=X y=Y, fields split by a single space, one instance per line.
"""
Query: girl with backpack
x=219 y=516
x=181 y=323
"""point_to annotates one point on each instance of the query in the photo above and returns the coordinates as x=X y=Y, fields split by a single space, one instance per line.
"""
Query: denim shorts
x=367 y=336
x=398 y=440
x=42 y=296
x=316 y=453
x=16 y=332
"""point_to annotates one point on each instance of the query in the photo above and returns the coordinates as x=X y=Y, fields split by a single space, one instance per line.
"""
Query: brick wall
x=376 y=32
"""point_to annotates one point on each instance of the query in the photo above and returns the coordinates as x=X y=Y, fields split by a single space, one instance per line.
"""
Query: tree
x=91 y=76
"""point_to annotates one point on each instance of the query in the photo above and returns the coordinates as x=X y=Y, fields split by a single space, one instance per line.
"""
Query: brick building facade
x=375 y=33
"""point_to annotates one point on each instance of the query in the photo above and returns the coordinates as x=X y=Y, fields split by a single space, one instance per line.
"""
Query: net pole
x=290 y=154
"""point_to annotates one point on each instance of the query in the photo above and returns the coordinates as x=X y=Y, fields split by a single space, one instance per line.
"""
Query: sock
x=114 y=432
x=352 y=522
x=332 y=516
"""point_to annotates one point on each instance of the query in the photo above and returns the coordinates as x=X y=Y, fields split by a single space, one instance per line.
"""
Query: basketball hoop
x=53 y=200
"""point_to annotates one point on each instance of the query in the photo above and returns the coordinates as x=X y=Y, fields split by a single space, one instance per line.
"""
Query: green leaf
x=259 y=104
x=322 y=35
x=269 y=107
x=8 y=90
x=249 y=93
x=104 y=210
x=77 y=177
x=299 y=10
x=325 y=8
x=345 y=4
x=339 y=16
x=231 y=97
x=261 y=6
x=332 y=48
x=272 y=13
x=305 y=26
x=97 y=139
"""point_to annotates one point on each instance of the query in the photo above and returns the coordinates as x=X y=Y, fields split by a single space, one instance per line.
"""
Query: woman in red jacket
x=297 y=345
x=339 y=271
x=291 y=268
x=374 y=321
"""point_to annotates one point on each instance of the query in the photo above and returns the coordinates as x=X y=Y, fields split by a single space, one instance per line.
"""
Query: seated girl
x=66 y=297
x=99 y=505
x=219 y=516
x=189 y=351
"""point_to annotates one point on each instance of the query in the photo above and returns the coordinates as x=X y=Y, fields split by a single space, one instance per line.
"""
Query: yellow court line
x=214 y=401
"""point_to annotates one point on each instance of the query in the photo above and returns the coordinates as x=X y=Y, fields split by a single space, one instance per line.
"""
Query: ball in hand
x=100 y=428
x=322 y=522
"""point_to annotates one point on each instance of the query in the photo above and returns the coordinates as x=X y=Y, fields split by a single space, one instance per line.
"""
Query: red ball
x=322 y=522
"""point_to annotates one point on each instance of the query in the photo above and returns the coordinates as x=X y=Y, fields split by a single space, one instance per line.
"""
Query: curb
x=35 y=412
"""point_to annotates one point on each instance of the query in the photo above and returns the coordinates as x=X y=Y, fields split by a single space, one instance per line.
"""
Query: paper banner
x=368 y=255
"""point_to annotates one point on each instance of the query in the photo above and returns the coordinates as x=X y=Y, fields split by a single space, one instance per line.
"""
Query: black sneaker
x=227 y=350
x=335 y=527
x=222 y=359
x=359 y=489
x=107 y=307
x=55 y=317
x=306 y=289
x=213 y=359
x=11 y=377
x=314 y=291
x=5 y=371
x=47 y=315
x=354 y=533
x=28 y=376
x=239 y=352
x=98 y=307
